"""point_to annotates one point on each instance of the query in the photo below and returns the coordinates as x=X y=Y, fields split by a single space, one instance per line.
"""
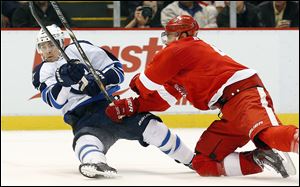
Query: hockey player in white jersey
x=83 y=105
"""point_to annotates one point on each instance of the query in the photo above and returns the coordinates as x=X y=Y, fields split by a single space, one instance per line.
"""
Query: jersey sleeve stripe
x=165 y=95
x=54 y=103
x=120 y=75
x=148 y=83
x=44 y=95
x=237 y=76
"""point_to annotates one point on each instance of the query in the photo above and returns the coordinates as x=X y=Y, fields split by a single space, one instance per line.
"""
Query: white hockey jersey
x=68 y=98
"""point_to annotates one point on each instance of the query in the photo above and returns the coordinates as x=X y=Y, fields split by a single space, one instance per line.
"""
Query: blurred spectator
x=279 y=14
x=146 y=15
x=256 y=3
x=7 y=10
x=128 y=7
x=246 y=15
x=22 y=17
x=218 y=4
x=204 y=15
x=4 y=21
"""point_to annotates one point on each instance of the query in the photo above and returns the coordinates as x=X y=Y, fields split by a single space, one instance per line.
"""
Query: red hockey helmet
x=183 y=23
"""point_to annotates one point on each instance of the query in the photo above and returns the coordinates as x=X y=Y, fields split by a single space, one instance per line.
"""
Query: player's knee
x=155 y=132
x=89 y=140
x=205 y=166
x=159 y=135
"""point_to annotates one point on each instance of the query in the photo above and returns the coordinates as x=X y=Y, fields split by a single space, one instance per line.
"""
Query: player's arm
x=55 y=87
x=155 y=85
x=55 y=95
x=108 y=69
x=159 y=100
x=162 y=69
x=154 y=100
x=107 y=66
x=154 y=95
x=113 y=71
x=52 y=93
x=113 y=74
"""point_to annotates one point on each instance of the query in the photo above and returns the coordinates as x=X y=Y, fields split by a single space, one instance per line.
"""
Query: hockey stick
x=39 y=21
x=82 y=53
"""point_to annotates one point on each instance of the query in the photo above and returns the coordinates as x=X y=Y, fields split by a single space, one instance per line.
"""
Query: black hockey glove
x=92 y=88
x=70 y=73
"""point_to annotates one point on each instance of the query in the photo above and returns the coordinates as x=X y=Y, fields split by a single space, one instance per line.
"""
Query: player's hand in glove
x=132 y=84
x=92 y=88
x=122 y=108
x=70 y=73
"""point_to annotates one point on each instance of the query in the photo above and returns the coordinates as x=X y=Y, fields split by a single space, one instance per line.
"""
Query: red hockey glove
x=122 y=108
x=132 y=84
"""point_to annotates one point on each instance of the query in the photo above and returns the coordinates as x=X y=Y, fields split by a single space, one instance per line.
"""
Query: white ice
x=46 y=158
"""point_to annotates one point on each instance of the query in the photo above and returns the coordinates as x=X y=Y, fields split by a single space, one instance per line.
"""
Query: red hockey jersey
x=188 y=68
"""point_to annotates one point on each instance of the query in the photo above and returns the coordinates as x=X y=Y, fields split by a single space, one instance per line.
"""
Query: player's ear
x=183 y=35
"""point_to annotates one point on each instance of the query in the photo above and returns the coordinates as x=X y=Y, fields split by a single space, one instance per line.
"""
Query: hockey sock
x=248 y=165
x=159 y=135
x=89 y=149
x=235 y=164
x=284 y=137
x=205 y=166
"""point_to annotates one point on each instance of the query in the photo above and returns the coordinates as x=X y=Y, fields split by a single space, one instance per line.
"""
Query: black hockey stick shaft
x=39 y=21
x=82 y=53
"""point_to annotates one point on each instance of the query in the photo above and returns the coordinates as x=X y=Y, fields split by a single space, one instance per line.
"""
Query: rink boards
x=273 y=53
x=172 y=121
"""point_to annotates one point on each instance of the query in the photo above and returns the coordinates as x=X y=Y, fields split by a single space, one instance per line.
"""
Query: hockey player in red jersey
x=209 y=79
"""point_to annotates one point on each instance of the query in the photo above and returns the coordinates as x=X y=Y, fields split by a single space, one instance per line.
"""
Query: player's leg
x=90 y=146
x=215 y=154
x=269 y=128
x=149 y=129
x=264 y=129
x=255 y=115
x=91 y=139
x=282 y=137
x=158 y=134
x=288 y=141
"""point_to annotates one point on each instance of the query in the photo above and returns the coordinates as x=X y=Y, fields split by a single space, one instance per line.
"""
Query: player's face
x=50 y=52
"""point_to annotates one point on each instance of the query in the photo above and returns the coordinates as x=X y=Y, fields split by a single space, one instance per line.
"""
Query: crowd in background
x=156 y=14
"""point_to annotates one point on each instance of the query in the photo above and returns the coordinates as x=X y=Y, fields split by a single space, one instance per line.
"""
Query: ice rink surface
x=46 y=158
